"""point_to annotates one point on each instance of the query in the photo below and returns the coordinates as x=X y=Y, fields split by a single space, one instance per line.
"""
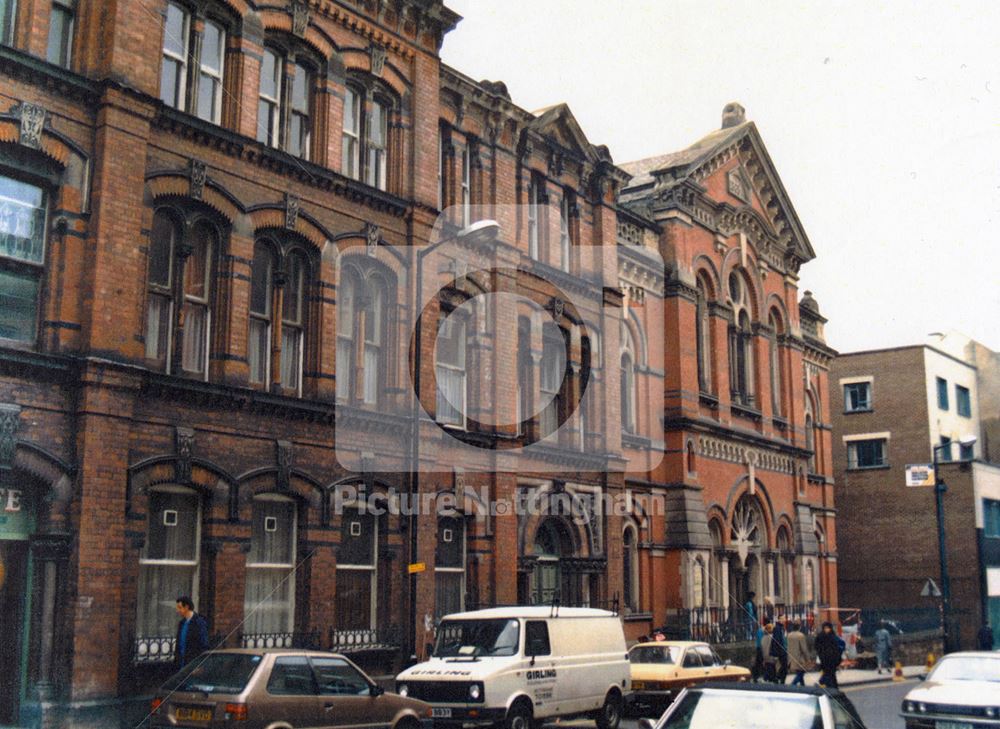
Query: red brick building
x=213 y=223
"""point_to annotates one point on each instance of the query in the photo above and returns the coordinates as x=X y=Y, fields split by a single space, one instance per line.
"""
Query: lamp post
x=939 y=488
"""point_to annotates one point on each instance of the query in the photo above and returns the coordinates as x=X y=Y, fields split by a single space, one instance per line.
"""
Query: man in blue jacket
x=192 y=633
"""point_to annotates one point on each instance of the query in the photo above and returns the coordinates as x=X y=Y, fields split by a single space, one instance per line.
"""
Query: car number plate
x=441 y=713
x=187 y=713
x=952 y=725
x=638 y=685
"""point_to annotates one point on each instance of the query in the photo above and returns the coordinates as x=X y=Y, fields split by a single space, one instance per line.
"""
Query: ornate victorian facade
x=236 y=332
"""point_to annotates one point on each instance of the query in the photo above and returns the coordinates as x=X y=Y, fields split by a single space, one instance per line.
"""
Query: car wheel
x=519 y=716
x=610 y=715
x=407 y=723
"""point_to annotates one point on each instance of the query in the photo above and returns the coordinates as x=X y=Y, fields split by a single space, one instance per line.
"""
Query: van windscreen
x=477 y=638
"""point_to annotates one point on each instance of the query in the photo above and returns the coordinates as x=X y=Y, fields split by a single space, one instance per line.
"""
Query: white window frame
x=852 y=452
x=350 y=139
x=298 y=326
x=196 y=562
x=460 y=370
x=376 y=153
x=533 y=223
x=68 y=7
x=305 y=116
x=290 y=566
x=203 y=303
x=274 y=132
x=182 y=60
x=215 y=76
x=267 y=319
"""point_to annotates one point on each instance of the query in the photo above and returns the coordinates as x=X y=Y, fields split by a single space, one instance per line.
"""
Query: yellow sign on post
x=416 y=567
x=920 y=474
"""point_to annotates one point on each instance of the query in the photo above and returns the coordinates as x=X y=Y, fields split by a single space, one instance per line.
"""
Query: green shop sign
x=17 y=513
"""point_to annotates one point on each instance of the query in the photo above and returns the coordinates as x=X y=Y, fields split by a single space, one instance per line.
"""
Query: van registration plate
x=952 y=725
x=441 y=713
x=187 y=713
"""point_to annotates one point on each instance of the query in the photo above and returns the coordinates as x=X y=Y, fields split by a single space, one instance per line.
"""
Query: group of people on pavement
x=780 y=653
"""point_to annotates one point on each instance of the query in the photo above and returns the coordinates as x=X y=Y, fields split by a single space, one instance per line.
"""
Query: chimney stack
x=733 y=114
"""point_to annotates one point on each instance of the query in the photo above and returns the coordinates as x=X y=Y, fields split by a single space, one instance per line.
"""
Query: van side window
x=536 y=638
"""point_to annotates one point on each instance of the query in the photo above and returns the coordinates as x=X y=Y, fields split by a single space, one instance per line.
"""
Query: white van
x=519 y=665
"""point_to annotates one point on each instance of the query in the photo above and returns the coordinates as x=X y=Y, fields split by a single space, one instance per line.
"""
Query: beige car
x=281 y=689
x=662 y=669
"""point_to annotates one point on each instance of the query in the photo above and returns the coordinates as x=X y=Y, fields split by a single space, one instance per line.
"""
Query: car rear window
x=719 y=709
x=216 y=673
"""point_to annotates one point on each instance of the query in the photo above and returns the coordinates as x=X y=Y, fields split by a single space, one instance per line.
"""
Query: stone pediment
x=557 y=124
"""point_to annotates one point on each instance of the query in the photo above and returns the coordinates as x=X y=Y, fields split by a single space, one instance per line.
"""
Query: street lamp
x=939 y=489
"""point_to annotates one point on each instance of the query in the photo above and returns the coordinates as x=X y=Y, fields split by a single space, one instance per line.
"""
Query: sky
x=882 y=119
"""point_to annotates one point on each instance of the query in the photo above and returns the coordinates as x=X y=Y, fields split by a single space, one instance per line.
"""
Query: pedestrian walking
x=799 y=658
x=192 y=633
x=770 y=659
x=757 y=668
x=829 y=649
x=779 y=651
x=985 y=638
x=750 y=615
x=883 y=647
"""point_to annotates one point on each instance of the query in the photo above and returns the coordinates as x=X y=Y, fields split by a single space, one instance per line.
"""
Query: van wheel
x=519 y=716
x=610 y=714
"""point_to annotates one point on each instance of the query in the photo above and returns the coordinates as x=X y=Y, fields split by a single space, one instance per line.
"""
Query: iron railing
x=732 y=624
x=306 y=641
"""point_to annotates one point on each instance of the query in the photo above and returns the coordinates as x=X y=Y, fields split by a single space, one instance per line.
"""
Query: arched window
x=692 y=465
x=361 y=335
x=741 y=367
x=168 y=564
x=810 y=428
x=809 y=593
x=628 y=382
x=261 y=303
x=196 y=317
x=171 y=255
x=23 y=213
x=782 y=583
x=630 y=568
x=715 y=564
x=449 y=567
x=269 y=597
x=269 y=93
x=703 y=336
x=290 y=316
x=549 y=582
x=774 y=359
x=450 y=367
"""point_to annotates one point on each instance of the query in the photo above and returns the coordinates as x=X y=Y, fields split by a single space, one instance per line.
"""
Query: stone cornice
x=65 y=83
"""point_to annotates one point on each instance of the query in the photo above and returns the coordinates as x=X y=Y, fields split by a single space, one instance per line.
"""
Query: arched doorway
x=551 y=580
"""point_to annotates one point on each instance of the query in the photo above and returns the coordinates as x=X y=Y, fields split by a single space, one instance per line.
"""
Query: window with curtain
x=362 y=311
x=196 y=311
x=22 y=257
x=356 y=572
x=269 y=98
x=351 y=136
x=61 y=22
x=551 y=378
x=168 y=564
x=449 y=567
x=293 y=322
x=261 y=301
x=269 y=599
x=450 y=369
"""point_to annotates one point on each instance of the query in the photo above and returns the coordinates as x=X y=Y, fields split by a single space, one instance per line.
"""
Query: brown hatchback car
x=281 y=689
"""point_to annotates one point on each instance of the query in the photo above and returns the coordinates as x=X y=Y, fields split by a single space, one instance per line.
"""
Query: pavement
x=859 y=677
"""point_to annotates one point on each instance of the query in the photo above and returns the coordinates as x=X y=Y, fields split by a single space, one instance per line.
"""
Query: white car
x=962 y=692
x=516 y=666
